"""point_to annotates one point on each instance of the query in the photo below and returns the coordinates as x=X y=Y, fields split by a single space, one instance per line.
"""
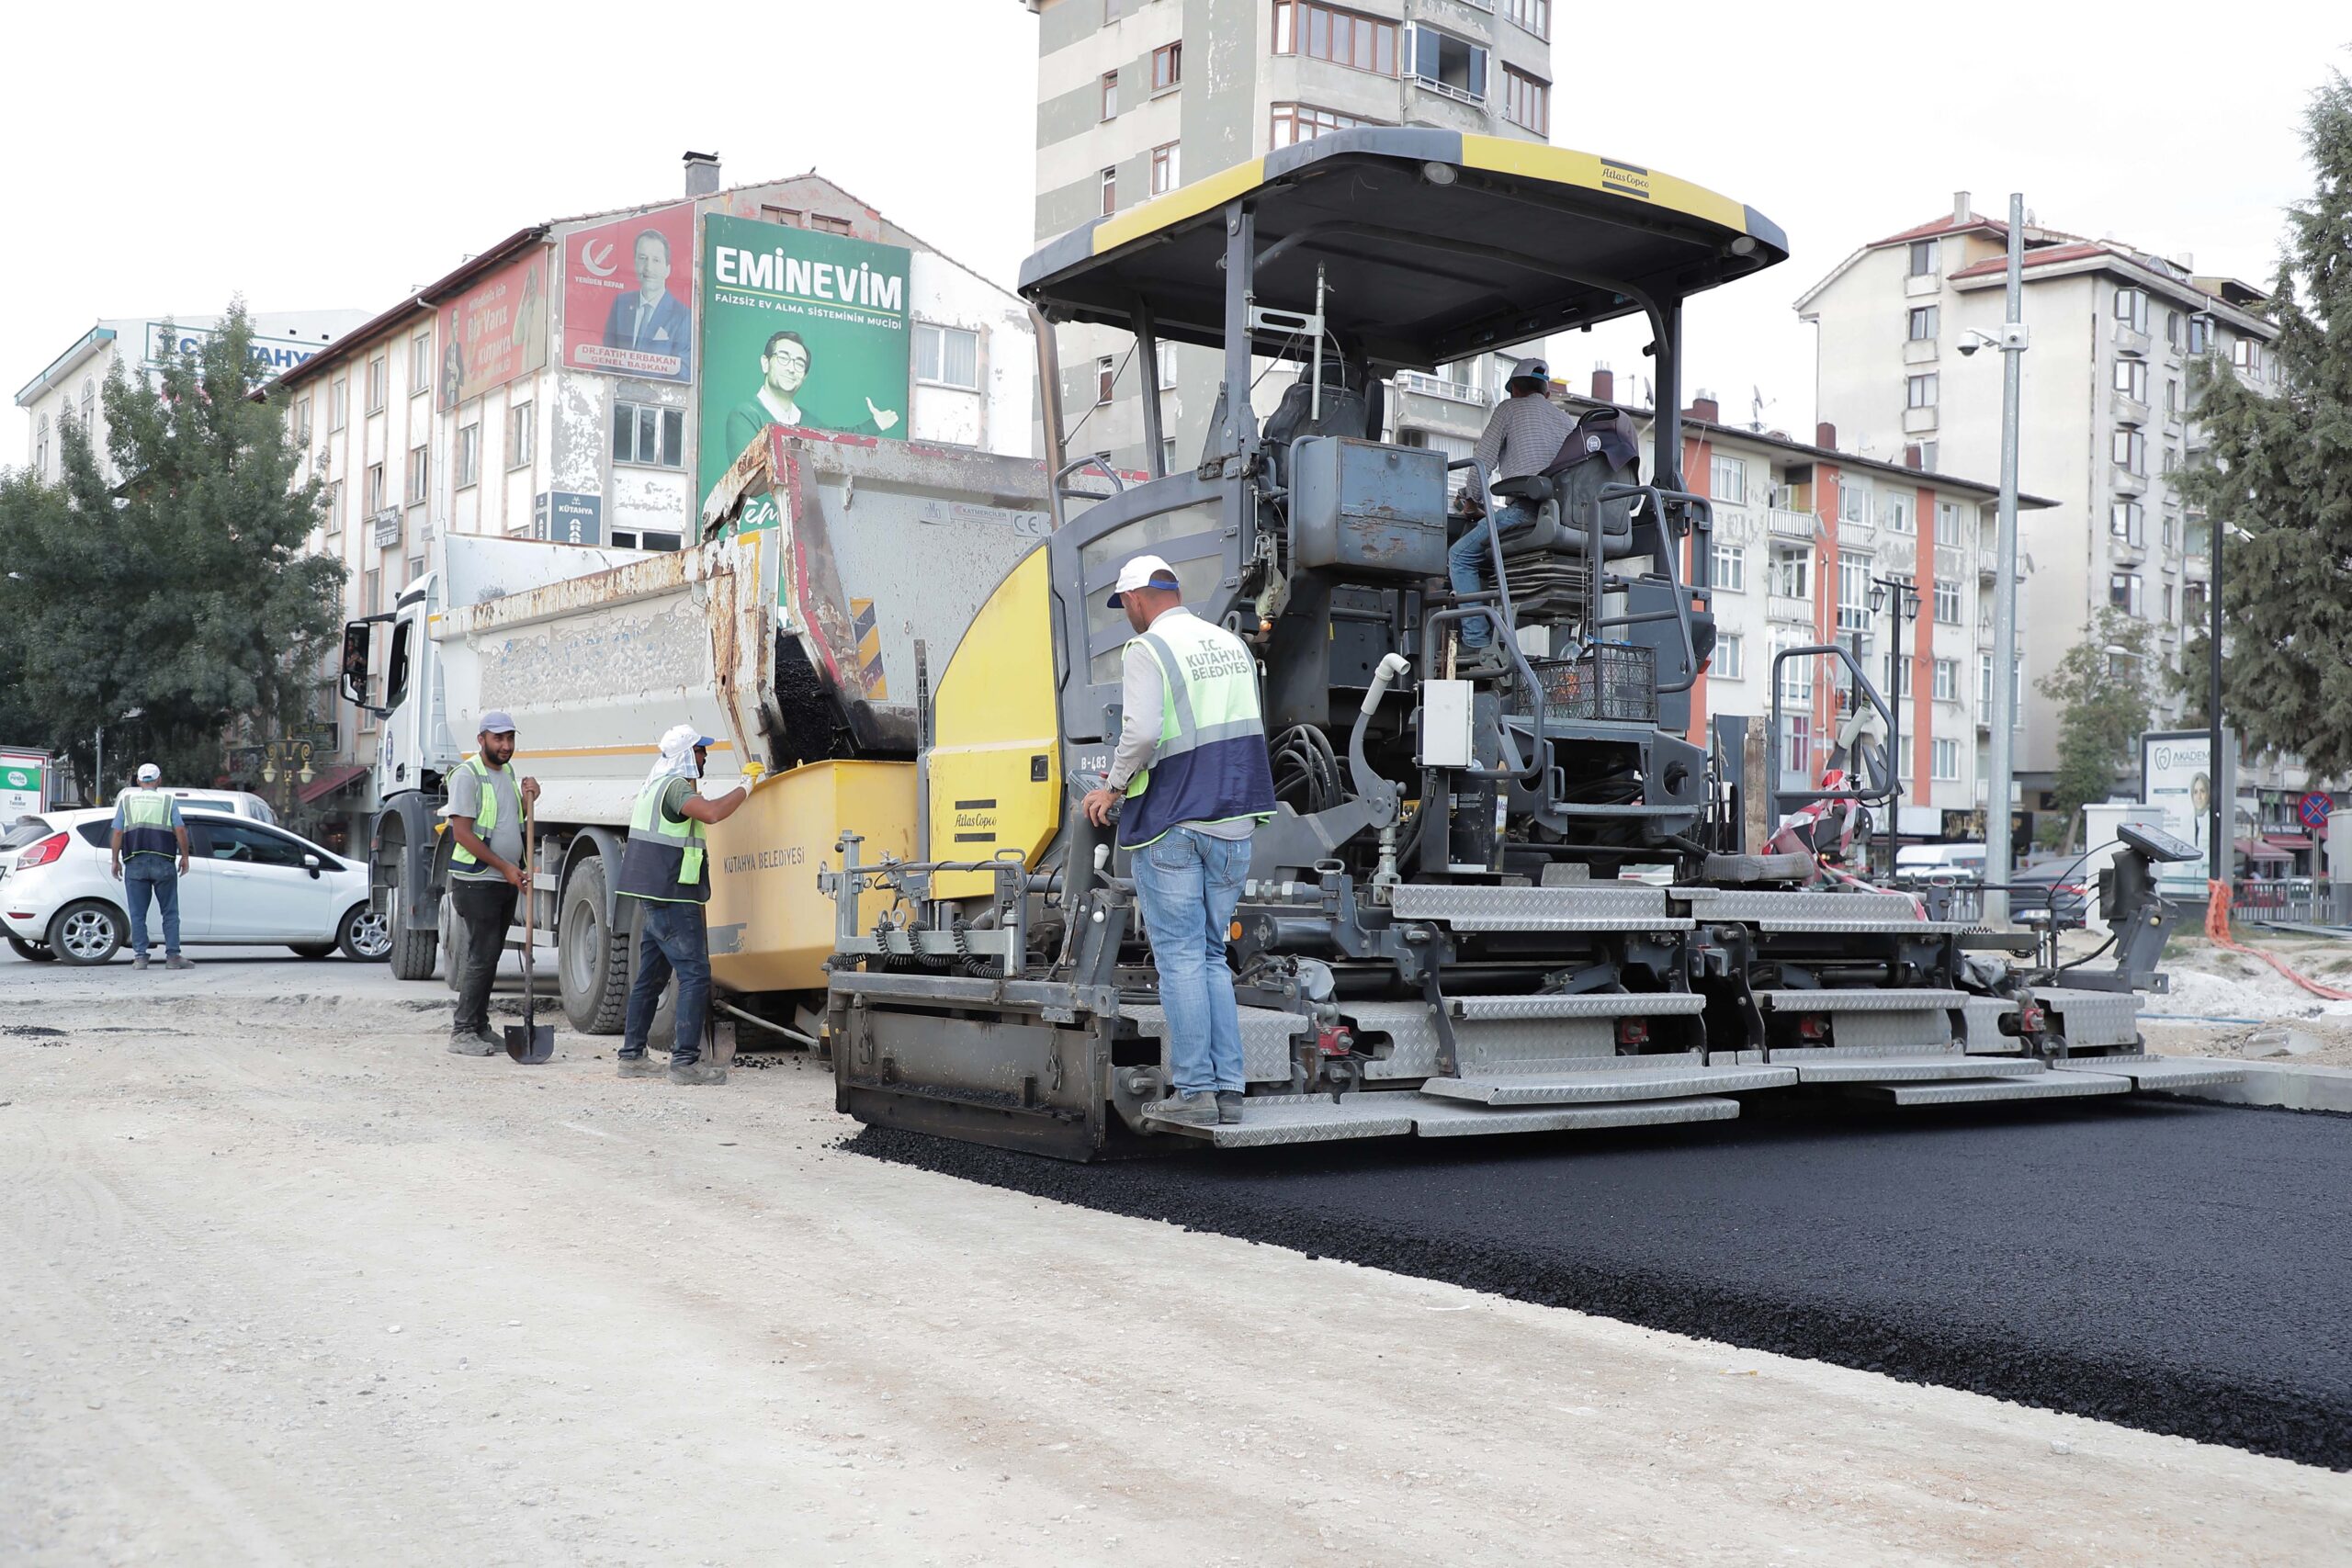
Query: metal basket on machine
x=1611 y=682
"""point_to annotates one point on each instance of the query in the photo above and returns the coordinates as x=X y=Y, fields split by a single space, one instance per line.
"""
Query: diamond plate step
x=1587 y=1079
x=1974 y=1091
x=1455 y=1118
x=2093 y=1018
x=1859 y=1064
x=1859 y=999
x=1588 y=909
x=2157 y=1071
x=1268 y=1120
x=1598 y=1004
x=1266 y=1035
x=1853 y=912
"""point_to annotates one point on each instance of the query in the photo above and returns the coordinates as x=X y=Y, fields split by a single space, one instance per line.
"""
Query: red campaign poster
x=495 y=330
x=628 y=292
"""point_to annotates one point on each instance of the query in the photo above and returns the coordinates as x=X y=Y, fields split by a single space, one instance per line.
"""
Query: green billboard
x=798 y=329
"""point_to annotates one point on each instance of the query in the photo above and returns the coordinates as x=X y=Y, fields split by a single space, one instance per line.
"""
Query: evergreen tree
x=2102 y=683
x=167 y=579
x=2277 y=476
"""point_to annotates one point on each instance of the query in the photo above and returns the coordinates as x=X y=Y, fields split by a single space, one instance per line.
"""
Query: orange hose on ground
x=2217 y=930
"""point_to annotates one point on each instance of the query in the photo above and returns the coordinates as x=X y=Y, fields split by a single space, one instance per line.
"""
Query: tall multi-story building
x=2106 y=424
x=1135 y=96
x=66 y=393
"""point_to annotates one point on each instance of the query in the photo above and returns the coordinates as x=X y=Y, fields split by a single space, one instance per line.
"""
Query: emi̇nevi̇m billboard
x=797 y=328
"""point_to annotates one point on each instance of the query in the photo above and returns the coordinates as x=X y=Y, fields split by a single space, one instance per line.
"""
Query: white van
x=1922 y=861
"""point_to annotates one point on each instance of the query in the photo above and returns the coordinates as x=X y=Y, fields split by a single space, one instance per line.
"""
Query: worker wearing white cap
x=665 y=871
x=1523 y=436
x=485 y=814
x=150 y=853
x=1192 y=768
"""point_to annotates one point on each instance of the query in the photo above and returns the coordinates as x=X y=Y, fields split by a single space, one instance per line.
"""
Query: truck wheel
x=412 y=953
x=591 y=961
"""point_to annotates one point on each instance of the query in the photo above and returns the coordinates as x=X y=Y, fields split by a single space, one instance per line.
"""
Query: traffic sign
x=2315 y=809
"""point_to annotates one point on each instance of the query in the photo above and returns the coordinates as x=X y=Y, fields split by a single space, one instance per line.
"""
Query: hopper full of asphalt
x=2182 y=1269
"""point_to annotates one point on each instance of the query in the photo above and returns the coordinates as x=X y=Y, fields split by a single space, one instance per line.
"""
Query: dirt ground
x=284 y=1282
x=2229 y=1004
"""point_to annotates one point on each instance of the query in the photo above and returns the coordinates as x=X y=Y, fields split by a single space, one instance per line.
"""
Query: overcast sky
x=169 y=155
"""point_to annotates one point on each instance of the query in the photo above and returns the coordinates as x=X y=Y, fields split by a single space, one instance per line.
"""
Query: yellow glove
x=752 y=774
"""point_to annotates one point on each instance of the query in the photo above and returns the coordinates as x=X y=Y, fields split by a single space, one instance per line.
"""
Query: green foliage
x=166 y=576
x=2101 y=684
x=2279 y=476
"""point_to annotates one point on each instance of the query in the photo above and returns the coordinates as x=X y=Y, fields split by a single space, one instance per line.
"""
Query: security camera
x=1968 y=347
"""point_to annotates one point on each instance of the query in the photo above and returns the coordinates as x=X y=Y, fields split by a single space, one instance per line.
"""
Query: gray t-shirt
x=505 y=837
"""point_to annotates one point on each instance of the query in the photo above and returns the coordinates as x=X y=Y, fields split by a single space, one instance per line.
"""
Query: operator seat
x=1599 y=452
x=1346 y=412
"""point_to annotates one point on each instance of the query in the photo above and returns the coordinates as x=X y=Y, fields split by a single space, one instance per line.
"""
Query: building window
x=1110 y=191
x=518 y=435
x=1894 y=513
x=1923 y=322
x=1106 y=379
x=2172 y=531
x=1730 y=662
x=1796 y=675
x=1165 y=353
x=648 y=436
x=1727 y=481
x=2192 y=602
x=1294 y=123
x=1344 y=37
x=379 y=382
x=1944 y=760
x=301 y=420
x=1985 y=683
x=338 y=401
x=2130 y=448
x=1927 y=455
x=1167 y=167
x=2132 y=378
x=1946 y=598
x=89 y=403
x=420 y=362
x=1947 y=524
x=1168 y=66
x=420 y=472
x=2123 y=592
x=788 y=216
x=2172 y=329
x=1796 y=735
x=2131 y=307
x=334 y=509
x=40 y=446
x=1527 y=101
x=947 y=356
x=1923 y=391
x=1168 y=454
x=2126 y=522
x=375 y=488
x=1731 y=568
x=1853 y=502
x=1853 y=592
x=2168 y=604
x=1923 y=258
x=469 y=456
x=1947 y=679
x=2247 y=355
x=824 y=224
x=1444 y=63
x=2200 y=334
x=1110 y=95
x=1792 y=572
x=1535 y=16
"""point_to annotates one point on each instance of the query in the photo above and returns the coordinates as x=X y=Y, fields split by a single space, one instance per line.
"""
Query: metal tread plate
x=2157 y=1071
x=2094 y=1018
x=1570 y=1085
x=1455 y=1119
x=1650 y=1004
x=1585 y=908
x=1835 y=1065
x=1893 y=913
x=1981 y=1024
x=1266 y=1036
x=1978 y=1092
x=1918 y=1000
x=1269 y=1121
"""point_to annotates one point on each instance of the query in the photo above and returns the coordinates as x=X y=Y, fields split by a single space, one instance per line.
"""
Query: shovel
x=529 y=1040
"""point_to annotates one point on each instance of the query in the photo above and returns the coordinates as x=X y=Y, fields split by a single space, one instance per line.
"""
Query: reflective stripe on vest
x=663 y=860
x=1210 y=764
x=486 y=816
x=147 y=824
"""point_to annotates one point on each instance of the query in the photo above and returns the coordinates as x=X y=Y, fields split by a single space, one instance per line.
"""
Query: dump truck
x=796 y=634
x=1448 y=927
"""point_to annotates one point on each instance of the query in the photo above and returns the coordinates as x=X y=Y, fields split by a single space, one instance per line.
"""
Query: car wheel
x=311 y=949
x=31 y=951
x=592 y=954
x=86 y=932
x=365 y=934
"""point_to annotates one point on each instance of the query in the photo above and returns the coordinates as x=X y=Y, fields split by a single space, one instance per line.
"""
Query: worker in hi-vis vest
x=150 y=856
x=486 y=815
x=1192 y=768
x=665 y=871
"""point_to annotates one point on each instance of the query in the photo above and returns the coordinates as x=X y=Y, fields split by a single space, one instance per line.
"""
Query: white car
x=247 y=883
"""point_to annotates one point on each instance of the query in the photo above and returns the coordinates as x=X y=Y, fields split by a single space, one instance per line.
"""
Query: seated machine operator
x=1522 y=437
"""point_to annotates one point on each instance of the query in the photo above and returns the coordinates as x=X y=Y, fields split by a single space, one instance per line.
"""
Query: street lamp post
x=2001 y=764
x=1900 y=600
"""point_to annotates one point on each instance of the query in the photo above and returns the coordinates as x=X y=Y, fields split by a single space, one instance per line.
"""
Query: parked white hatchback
x=247 y=883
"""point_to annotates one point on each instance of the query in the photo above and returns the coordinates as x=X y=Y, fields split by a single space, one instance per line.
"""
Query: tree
x=2277 y=476
x=168 y=580
x=2101 y=684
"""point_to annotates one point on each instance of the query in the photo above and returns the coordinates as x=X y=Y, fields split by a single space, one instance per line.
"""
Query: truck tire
x=412 y=953
x=591 y=961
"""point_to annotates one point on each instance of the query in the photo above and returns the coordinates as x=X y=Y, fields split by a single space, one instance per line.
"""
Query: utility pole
x=2223 y=809
x=2001 y=764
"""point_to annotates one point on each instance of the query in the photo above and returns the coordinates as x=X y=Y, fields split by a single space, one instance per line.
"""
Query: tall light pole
x=2001 y=764
x=1901 y=600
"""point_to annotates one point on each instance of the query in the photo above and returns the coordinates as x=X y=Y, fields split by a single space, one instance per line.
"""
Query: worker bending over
x=664 y=868
x=1191 y=762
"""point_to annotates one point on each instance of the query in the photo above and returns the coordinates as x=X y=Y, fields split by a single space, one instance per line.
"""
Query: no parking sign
x=2313 y=810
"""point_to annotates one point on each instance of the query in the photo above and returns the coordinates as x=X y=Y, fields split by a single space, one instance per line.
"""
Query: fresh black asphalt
x=2176 y=1266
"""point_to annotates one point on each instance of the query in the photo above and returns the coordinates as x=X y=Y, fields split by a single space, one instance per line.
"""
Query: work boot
x=177 y=961
x=639 y=1066
x=475 y=1042
x=1189 y=1110
x=1228 y=1106
x=139 y=961
x=697 y=1073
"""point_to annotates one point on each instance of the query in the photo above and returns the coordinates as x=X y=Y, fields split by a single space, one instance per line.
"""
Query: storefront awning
x=2293 y=843
x=334 y=779
x=2253 y=849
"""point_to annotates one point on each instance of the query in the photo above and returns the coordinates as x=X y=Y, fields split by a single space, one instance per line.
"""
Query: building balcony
x=1920 y=422
x=2125 y=482
x=2175 y=429
x=1919 y=351
x=2197 y=569
x=1787 y=525
x=1793 y=612
x=2131 y=342
x=2125 y=408
x=1428 y=385
x=1926 y=288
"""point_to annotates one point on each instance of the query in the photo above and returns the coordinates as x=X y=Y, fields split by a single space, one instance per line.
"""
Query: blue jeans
x=145 y=875
x=1467 y=557
x=1186 y=886
x=670 y=938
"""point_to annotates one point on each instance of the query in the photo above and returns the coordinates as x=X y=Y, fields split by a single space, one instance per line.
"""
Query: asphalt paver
x=2179 y=1267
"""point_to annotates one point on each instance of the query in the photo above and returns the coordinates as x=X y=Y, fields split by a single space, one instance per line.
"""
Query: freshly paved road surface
x=2183 y=1268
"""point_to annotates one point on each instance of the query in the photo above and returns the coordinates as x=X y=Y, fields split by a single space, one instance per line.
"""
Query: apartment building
x=473 y=405
x=2106 y=422
x=1135 y=96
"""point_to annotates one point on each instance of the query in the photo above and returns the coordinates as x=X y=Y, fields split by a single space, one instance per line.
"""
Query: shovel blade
x=530 y=1042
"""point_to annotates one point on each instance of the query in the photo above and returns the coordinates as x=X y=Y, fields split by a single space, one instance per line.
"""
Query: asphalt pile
x=2180 y=1269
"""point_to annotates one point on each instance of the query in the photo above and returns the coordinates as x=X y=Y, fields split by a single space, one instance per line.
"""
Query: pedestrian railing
x=2288 y=900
